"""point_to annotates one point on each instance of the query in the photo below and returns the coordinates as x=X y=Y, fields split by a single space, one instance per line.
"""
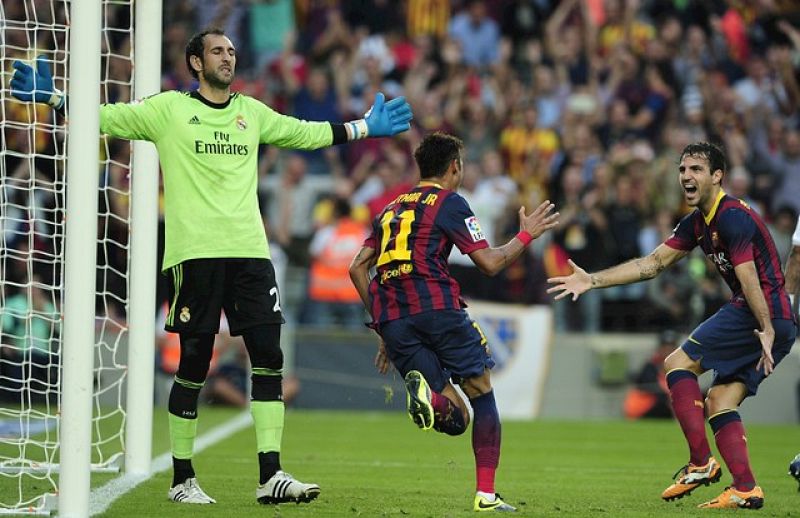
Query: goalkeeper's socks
x=269 y=463
x=485 y=440
x=447 y=417
x=182 y=427
x=687 y=405
x=268 y=420
x=181 y=470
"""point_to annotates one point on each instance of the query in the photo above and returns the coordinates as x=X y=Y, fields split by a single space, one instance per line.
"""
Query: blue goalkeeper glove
x=387 y=119
x=30 y=86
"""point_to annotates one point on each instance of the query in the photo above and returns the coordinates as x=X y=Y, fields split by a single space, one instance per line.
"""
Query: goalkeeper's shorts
x=200 y=288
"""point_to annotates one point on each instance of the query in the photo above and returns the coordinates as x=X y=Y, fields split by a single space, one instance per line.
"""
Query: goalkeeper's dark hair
x=711 y=152
x=435 y=153
x=196 y=46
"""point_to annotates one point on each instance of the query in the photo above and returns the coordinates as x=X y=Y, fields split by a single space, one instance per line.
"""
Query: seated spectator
x=649 y=396
x=30 y=326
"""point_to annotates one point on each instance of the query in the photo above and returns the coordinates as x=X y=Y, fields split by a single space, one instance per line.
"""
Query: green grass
x=379 y=464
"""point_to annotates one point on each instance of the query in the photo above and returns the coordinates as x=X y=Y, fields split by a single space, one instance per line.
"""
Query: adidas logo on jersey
x=194 y=120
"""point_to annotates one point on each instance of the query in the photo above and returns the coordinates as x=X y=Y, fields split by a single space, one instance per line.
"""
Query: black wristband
x=339 y=133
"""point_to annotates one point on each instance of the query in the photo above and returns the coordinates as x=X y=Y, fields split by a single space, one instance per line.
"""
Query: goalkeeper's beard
x=217 y=81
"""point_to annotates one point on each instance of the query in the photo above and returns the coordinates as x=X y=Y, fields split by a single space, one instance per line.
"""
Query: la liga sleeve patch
x=474 y=228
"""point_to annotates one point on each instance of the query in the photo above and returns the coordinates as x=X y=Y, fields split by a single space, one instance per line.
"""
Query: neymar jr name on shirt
x=413 y=197
x=221 y=146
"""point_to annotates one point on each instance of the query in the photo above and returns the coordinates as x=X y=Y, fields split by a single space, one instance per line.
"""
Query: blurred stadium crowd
x=584 y=102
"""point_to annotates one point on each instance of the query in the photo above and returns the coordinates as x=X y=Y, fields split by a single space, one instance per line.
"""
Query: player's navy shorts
x=726 y=343
x=200 y=288
x=440 y=344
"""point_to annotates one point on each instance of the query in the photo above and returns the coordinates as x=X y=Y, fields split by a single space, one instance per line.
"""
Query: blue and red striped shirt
x=730 y=235
x=412 y=238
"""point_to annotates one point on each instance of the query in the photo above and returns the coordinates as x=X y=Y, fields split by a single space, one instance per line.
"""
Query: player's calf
x=447 y=417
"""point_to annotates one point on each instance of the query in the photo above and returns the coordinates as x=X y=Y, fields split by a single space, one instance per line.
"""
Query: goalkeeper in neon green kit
x=216 y=255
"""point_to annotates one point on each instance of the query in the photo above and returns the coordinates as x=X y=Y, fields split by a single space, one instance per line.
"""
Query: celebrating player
x=742 y=342
x=417 y=309
x=216 y=253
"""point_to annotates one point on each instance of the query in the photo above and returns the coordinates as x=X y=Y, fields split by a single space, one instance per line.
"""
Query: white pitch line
x=102 y=497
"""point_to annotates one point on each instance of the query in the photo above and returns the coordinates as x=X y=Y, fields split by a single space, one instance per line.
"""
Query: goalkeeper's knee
x=196 y=351
x=263 y=344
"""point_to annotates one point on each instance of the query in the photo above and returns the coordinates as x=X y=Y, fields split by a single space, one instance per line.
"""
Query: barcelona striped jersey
x=412 y=238
x=730 y=235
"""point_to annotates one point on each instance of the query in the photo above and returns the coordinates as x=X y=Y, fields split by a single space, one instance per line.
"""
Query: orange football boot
x=691 y=477
x=732 y=498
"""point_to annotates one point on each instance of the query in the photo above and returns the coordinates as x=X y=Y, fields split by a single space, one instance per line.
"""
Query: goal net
x=32 y=229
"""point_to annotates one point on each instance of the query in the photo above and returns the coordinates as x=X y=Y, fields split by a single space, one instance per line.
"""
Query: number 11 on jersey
x=400 y=252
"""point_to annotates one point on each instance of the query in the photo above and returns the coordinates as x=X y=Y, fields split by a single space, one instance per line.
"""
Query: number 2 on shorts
x=277 y=307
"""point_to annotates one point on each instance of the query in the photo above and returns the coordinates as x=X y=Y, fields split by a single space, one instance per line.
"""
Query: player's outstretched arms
x=385 y=119
x=492 y=260
x=576 y=284
x=634 y=270
x=31 y=85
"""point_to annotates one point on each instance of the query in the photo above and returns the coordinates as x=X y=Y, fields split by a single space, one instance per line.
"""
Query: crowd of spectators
x=587 y=103
x=584 y=102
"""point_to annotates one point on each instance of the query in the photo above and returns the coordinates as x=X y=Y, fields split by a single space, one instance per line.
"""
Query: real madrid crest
x=241 y=123
x=185 y=316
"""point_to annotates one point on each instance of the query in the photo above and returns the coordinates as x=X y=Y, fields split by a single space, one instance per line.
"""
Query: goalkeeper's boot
x=189 y=492
x=418 y=400
x=691 y=477
x=794 y=469
x=282 y=487
x=732 y=498
x=484 y=504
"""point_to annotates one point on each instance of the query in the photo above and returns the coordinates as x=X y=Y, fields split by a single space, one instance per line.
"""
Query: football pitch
x=380 y=464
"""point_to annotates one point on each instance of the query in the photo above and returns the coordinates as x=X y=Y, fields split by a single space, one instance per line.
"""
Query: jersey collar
x=714 y=208
x=426 y=183
x=217 y=106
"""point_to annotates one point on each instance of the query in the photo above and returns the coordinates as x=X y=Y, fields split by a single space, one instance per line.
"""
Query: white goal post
x=94 y=406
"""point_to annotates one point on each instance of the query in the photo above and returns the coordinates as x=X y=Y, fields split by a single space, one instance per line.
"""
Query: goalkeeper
x=216 y=253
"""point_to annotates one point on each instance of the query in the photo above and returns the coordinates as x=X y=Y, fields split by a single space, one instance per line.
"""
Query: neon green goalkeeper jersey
x=209 y=157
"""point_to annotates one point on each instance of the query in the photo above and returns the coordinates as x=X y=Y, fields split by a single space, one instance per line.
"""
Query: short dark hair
x=196 y=46
x=435 y=152
x=711 y=152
